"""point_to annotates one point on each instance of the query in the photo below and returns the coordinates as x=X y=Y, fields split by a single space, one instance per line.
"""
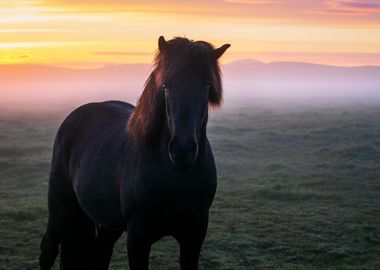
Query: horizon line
x=94 y=66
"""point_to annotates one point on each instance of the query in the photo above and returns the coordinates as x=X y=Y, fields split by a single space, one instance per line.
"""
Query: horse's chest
x=173 y=195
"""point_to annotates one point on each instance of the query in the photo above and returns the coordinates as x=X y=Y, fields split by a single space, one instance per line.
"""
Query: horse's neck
x=145 y=121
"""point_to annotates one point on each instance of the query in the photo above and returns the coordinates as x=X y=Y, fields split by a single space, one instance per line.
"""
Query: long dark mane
x=181 y=55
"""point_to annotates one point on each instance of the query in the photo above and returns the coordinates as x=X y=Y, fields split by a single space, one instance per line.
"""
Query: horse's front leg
x=138 y=244
x=103 y=248
x=190 y=239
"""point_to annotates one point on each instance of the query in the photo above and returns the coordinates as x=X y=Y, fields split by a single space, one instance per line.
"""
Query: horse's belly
x=101 y=202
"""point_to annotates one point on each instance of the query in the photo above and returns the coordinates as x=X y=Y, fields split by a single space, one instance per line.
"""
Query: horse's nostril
x=192 y=146
x=183 y=153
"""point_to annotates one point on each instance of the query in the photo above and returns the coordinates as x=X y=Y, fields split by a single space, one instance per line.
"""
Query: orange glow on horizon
x=94 y=33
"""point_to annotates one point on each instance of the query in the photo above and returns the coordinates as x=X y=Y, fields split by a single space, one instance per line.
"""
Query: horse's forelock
x=181 y=52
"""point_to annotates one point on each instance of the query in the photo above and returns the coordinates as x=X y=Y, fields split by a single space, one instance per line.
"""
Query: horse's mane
x=148 y=117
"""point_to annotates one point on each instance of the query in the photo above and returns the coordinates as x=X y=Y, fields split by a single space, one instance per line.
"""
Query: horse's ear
x=162 y=43
x=219 y=52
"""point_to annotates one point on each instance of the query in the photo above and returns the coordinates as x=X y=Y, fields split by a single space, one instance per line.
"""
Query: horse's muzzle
x=183 y=153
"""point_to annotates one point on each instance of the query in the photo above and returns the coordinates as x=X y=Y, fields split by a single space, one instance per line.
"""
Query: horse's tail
x=68 y=226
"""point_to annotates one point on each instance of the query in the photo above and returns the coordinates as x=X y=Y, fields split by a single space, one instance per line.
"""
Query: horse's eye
x=207 y=87
x=164 y=87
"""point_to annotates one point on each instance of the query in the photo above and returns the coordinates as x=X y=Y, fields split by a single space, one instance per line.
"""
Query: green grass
x=299 y=188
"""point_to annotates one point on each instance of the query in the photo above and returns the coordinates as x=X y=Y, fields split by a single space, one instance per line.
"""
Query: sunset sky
x=86 y=33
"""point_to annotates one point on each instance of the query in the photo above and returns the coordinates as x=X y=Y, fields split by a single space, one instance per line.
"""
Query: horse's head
x=188 y=74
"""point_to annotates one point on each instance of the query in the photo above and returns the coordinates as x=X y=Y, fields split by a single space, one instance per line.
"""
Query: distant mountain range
x=245 y=69
x=241 y=79
x=293 y=79
x=43 y=73
x=248 y=68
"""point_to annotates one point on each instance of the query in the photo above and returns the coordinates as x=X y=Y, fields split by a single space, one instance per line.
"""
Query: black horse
x=147 y=170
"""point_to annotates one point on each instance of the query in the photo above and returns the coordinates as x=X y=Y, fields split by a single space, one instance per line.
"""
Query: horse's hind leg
x=58 y=194
x=68 y=226
x=103 y=248
x=49 y=246
x=71 y=229
x=77 y=241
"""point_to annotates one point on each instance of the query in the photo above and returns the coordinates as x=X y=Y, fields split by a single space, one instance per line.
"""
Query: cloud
x=366 y=5
x=15 y=45
x=31 y=30
x=347 y=9
x=107 y=53
x=335 y=11
x=294 y=11
x=354 y=6
x=251 y=2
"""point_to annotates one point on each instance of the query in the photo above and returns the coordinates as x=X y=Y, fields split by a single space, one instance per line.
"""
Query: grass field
x=299 y=188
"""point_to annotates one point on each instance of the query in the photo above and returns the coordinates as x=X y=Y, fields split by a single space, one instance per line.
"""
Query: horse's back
x=91 y=140
x=99 y=113
x=92 y=123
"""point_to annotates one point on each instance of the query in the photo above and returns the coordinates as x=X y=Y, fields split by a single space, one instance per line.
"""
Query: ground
x=299 y=188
